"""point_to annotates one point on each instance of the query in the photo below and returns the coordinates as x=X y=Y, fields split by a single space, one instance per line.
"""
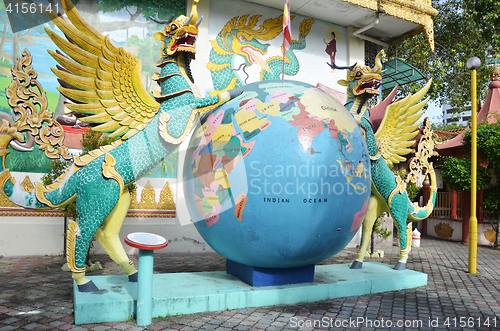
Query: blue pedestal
x=258 y=277
x=145 y=288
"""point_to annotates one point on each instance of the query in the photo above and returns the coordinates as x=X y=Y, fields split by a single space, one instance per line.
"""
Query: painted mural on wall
x=247 y=47
x=128 y=27
x=444 y=230
x=331 y=46
x=242 y=37
x=490 y=235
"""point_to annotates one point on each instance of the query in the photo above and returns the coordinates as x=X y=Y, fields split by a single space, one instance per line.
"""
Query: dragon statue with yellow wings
x=388 y=138
x=102 y=81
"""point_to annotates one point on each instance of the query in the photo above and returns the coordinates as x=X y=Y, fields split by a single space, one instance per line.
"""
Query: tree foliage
x=487 y=15
x=441 y=126
x=92 y=140
x=164 y=9
x=488 y=144
x=412 y=190
x=457 y=172
x=161 y=9
x=462 y=29
x=148 y=50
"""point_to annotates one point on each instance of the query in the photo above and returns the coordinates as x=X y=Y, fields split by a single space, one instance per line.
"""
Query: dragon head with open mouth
x=362 y=83
x=239 y=36
x=179 y=35
x=362 y=79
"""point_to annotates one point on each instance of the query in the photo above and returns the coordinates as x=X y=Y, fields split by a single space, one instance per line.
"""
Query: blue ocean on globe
x=278 y=177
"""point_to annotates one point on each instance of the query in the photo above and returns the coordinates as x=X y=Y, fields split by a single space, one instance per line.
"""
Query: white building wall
x=451 y=116
x=44 y=235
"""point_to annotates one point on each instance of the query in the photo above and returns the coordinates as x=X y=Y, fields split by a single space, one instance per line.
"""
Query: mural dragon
x=239 y=38
x=389 y=129
x=103 y=82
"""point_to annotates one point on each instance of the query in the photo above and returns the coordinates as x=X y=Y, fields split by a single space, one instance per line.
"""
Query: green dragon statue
x=103 y=82
x=239 y=38
x=389 y=136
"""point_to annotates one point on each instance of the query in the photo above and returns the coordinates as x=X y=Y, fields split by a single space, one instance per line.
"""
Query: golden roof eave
x=416 y=11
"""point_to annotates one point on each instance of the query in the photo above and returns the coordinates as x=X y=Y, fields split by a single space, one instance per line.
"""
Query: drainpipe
x=358 y=33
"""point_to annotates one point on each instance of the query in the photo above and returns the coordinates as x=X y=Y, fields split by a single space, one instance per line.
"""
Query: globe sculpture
x=278 y=177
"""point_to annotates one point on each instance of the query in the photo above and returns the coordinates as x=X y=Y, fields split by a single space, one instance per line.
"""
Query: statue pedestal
x=197 y=292
x=257 y=276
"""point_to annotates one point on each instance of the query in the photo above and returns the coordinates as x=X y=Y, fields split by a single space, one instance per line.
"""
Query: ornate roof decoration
x=495 y=73
x=416 y=11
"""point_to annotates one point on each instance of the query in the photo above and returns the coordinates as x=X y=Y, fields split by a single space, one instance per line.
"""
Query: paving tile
x=10 y=320
x=31 y=326
x=189 y=328
x=101 y=328
x=8 y=328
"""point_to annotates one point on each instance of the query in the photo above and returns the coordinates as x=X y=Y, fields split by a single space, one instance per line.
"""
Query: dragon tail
x=291 y=64
x=421 y=161
x=9 y=187
x=420 y=213
x=33 y=123
x=8 y=184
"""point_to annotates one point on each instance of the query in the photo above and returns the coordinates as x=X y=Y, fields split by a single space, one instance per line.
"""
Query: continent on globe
x=308 y=127
x=241 y=200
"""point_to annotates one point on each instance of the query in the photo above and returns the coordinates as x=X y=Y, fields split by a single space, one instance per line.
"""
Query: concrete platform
x=188 y=293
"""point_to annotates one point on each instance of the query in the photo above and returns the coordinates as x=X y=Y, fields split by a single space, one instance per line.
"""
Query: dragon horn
x=199 y=21
x=378 y=63
x=162 y=21
x=189 y=20
x=334 y=66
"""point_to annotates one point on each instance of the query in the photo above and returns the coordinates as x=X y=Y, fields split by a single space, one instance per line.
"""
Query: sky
x=434 y=112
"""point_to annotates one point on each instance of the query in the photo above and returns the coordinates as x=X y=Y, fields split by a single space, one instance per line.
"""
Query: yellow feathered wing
x=104 y=80
x=400 y=125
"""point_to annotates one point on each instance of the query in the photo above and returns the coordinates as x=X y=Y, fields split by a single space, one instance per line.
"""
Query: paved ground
x=36 y=295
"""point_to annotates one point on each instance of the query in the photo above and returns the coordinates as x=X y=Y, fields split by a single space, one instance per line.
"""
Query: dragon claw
x=357 y=265
x=204 y=117
x=88 y=287
x=400 y=266
x=133 y=277
x=235 y=92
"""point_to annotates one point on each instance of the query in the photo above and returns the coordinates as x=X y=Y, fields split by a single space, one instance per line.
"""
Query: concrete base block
x=188 y=293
